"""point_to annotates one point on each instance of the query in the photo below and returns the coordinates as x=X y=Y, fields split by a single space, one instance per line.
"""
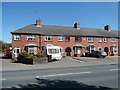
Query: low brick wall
x=40 y=60
x=33 y=60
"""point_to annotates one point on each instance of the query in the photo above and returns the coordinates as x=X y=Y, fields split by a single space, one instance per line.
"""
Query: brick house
x=74 y=41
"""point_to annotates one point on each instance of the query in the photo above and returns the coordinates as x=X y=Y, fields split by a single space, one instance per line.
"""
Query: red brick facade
x=21 y=42
x=40 y=42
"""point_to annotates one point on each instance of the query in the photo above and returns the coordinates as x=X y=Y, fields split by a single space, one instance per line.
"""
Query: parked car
x=98 y=54
x=8 y=56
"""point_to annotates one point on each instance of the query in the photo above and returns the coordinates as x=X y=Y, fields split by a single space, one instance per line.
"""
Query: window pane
x=16 y=37
x=48 y=38
x=67 y=38
x=60 y=38
x=90 y=39
x=31 y=37
x=78 y=39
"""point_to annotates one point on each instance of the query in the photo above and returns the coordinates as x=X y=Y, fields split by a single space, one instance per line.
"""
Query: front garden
x=27 y=58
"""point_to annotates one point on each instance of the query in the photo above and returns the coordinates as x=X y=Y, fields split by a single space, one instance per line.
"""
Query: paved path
x=65 y=62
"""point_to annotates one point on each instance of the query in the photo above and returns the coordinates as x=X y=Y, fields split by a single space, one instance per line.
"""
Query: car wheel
x=104 y=56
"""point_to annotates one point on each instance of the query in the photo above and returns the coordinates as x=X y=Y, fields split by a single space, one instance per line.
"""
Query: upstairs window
x=16 y=37
x=78 y=39
x=60 y=38
x=113 y=40
x=90 y=39
x=105 y=39
x=48 y=38
x=31 y=38
x=99 y=39
x=67 y=38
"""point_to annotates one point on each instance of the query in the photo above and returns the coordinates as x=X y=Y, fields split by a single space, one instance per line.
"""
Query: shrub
x=40 y=54
x=23 y=55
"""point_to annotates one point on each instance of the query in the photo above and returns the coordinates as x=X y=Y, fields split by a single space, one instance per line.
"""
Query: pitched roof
x=62 y=30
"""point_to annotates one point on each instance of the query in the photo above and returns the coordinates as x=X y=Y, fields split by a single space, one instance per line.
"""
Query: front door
x=106 y=49
x=68 y=51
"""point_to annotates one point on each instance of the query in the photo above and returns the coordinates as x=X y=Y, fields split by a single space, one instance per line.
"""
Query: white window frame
x=105 y=39
x=17 y=37
x=113 y=40
x=47 y=37
x=90 y=39
x=60 y=38
x=100 y=39
x=32 y=37
x=78 y=50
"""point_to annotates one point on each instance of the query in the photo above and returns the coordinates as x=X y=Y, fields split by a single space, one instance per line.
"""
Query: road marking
x=3 y=79
x=63 y=74
x=113 y=69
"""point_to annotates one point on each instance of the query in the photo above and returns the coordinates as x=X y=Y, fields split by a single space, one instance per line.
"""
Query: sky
x=16 y=15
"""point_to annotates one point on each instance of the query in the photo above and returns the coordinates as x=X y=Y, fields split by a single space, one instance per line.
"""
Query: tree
x=4 y=45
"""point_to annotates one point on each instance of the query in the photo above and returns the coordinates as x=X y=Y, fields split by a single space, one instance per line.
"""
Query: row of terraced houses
x=74 y=41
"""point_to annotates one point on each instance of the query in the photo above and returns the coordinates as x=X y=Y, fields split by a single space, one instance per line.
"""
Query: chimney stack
x=38 y=22
x=77 y=25
x=107 y=27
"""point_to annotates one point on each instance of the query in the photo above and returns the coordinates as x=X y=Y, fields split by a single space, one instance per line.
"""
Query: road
x=99 y=76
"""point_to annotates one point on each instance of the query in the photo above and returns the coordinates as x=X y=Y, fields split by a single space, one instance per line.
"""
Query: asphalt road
x=99 y=76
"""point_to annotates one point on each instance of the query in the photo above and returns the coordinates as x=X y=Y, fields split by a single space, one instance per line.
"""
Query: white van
x=54 y=51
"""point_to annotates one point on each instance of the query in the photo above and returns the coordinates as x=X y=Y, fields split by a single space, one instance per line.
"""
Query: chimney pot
x=77 y=25
x=107 y=27
x=38 y=22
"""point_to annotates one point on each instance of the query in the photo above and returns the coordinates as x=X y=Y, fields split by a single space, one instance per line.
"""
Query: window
x=113 y=40
x=32 y=50
x=16 y=37
x=105 y=39
x=60 y=38
x=91 y=48
x=31 y=38
x=90 y=39
x=67 y=38
x=78 y=50
x=48 y=38
x=99 y=39
x=78 y=39
x=113 y=49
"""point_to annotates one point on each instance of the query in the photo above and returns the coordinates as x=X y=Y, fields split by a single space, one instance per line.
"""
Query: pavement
x=64 y=62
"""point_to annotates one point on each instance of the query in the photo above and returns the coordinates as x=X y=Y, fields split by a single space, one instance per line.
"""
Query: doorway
x=106 y=49
x=68 y=51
